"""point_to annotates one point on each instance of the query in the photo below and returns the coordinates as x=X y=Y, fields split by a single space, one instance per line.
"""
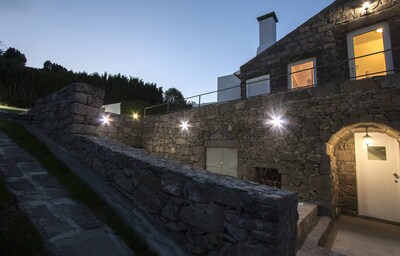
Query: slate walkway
x=67 y=227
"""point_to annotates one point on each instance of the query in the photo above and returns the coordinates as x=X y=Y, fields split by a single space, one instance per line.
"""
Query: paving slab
x=68 y=227
x=363 y=237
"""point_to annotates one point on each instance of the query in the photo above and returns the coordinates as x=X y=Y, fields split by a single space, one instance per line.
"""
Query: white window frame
x=386 y=44
x=313 y=60
x=266 y=78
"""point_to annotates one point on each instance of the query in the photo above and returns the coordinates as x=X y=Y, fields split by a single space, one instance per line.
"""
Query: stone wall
x=298 y=151
x=346 y=174
x=323 y=37
x=16 y=118
x=73 y=110
x=209 y=214
x=76 y=109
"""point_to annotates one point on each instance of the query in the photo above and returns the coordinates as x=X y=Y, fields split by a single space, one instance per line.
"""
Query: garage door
x=222 y=161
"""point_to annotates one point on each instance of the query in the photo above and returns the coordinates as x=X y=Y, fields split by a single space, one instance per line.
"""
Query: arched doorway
x=366 y=177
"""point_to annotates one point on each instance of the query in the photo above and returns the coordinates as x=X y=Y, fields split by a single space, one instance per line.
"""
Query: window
x=258 y=86
x=302 y=74
x=369 y=52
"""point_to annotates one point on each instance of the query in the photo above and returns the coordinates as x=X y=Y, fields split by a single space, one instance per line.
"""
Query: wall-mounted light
x=105 y=120
x=184 y=125
x=379 y=30
x=135 y=116
x=276 y=121
x=366 y=5
x=367 y=139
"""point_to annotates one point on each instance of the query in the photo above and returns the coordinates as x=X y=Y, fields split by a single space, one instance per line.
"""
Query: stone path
x=67 y=227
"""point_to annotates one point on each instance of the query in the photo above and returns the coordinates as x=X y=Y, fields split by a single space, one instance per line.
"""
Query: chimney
x=267 y=31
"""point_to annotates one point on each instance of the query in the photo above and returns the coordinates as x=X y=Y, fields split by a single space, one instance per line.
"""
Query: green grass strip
x=77 y=189
x=18 y=236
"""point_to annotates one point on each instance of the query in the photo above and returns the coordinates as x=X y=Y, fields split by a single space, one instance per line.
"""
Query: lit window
x=370 y=52
x=302 y=74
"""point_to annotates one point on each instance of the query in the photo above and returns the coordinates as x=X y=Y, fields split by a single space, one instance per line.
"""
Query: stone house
x=314 y=95
x=345 y=43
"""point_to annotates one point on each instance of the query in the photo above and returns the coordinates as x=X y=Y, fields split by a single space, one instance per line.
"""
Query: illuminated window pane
x=302 y=74
x=369 y=44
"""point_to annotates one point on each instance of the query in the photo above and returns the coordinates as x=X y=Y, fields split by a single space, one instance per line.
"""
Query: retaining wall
x=299 y=151
x=76 y=109
x=209 y=214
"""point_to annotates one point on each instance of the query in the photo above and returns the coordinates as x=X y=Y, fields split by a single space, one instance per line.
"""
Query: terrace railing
x=208 y=98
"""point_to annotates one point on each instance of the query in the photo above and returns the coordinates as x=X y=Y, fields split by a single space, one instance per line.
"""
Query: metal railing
x=200 y=100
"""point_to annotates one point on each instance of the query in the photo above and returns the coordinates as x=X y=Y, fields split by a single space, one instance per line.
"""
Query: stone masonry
x=67 y=227
x=299 y=151
x=324 y=37
x=76 y=109
x=209 y=214
x=206 y=213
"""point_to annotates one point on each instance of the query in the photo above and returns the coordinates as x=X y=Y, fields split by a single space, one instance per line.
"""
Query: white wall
x=227 y=82
x=113 y=108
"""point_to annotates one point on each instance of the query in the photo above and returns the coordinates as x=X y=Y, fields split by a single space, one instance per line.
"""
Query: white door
x=370 y=52
x=222 y=161
x=378 y=171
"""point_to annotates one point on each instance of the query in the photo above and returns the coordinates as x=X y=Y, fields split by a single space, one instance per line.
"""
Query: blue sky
x=176 y=43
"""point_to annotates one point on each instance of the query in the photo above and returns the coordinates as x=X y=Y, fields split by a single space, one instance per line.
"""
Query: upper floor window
x=370 y=51
x=258 y=86
x=302 y=74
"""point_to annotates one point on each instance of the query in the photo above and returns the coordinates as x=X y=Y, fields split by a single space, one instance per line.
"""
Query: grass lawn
x=77 y=189
x=18 y=236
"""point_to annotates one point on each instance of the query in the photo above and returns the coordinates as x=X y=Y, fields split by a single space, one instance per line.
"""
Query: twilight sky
x=177 y=43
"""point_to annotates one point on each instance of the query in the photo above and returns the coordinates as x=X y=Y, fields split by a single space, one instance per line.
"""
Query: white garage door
x=222 y=161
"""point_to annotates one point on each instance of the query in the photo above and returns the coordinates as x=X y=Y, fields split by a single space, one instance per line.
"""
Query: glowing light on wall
x=379 y=30
x=184 y=125
x=135 y=116
x=366 y=5
x=105 y=120
x=276 y=121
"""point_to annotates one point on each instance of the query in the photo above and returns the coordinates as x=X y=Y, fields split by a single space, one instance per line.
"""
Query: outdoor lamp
x=367 y=139
x=366 y=6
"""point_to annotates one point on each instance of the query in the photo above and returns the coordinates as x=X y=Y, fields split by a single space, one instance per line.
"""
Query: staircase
x=312 y=231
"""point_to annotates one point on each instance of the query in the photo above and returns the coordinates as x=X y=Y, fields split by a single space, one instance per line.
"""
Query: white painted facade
x=267 y=31
x=113 y=108
x=225 y=82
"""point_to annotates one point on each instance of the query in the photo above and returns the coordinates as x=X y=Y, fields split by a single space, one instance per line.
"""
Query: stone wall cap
x=199 y=175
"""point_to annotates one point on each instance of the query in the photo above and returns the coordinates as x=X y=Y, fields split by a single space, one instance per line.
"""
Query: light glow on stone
x=105 y=120
x=135 y=116
x=184 y=125
x=276 y=121
x=366 y=5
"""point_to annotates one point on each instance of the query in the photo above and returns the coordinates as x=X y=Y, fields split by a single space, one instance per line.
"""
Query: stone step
x=317 y=238
x=308 y=217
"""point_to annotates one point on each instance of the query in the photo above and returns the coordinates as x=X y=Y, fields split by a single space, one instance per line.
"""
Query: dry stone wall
x=346 y=175
x=209 y=214
x=76 y=109
x=298 y=151
x=16 y=118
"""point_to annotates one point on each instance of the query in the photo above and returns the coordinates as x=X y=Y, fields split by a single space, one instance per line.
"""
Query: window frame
x=290 y=65
x=386 y=44
x=258 y=79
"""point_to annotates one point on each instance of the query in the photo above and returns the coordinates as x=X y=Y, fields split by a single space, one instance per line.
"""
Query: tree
x=173 y=95
x=14 y=54
x=54 y=67
x=1 y=48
